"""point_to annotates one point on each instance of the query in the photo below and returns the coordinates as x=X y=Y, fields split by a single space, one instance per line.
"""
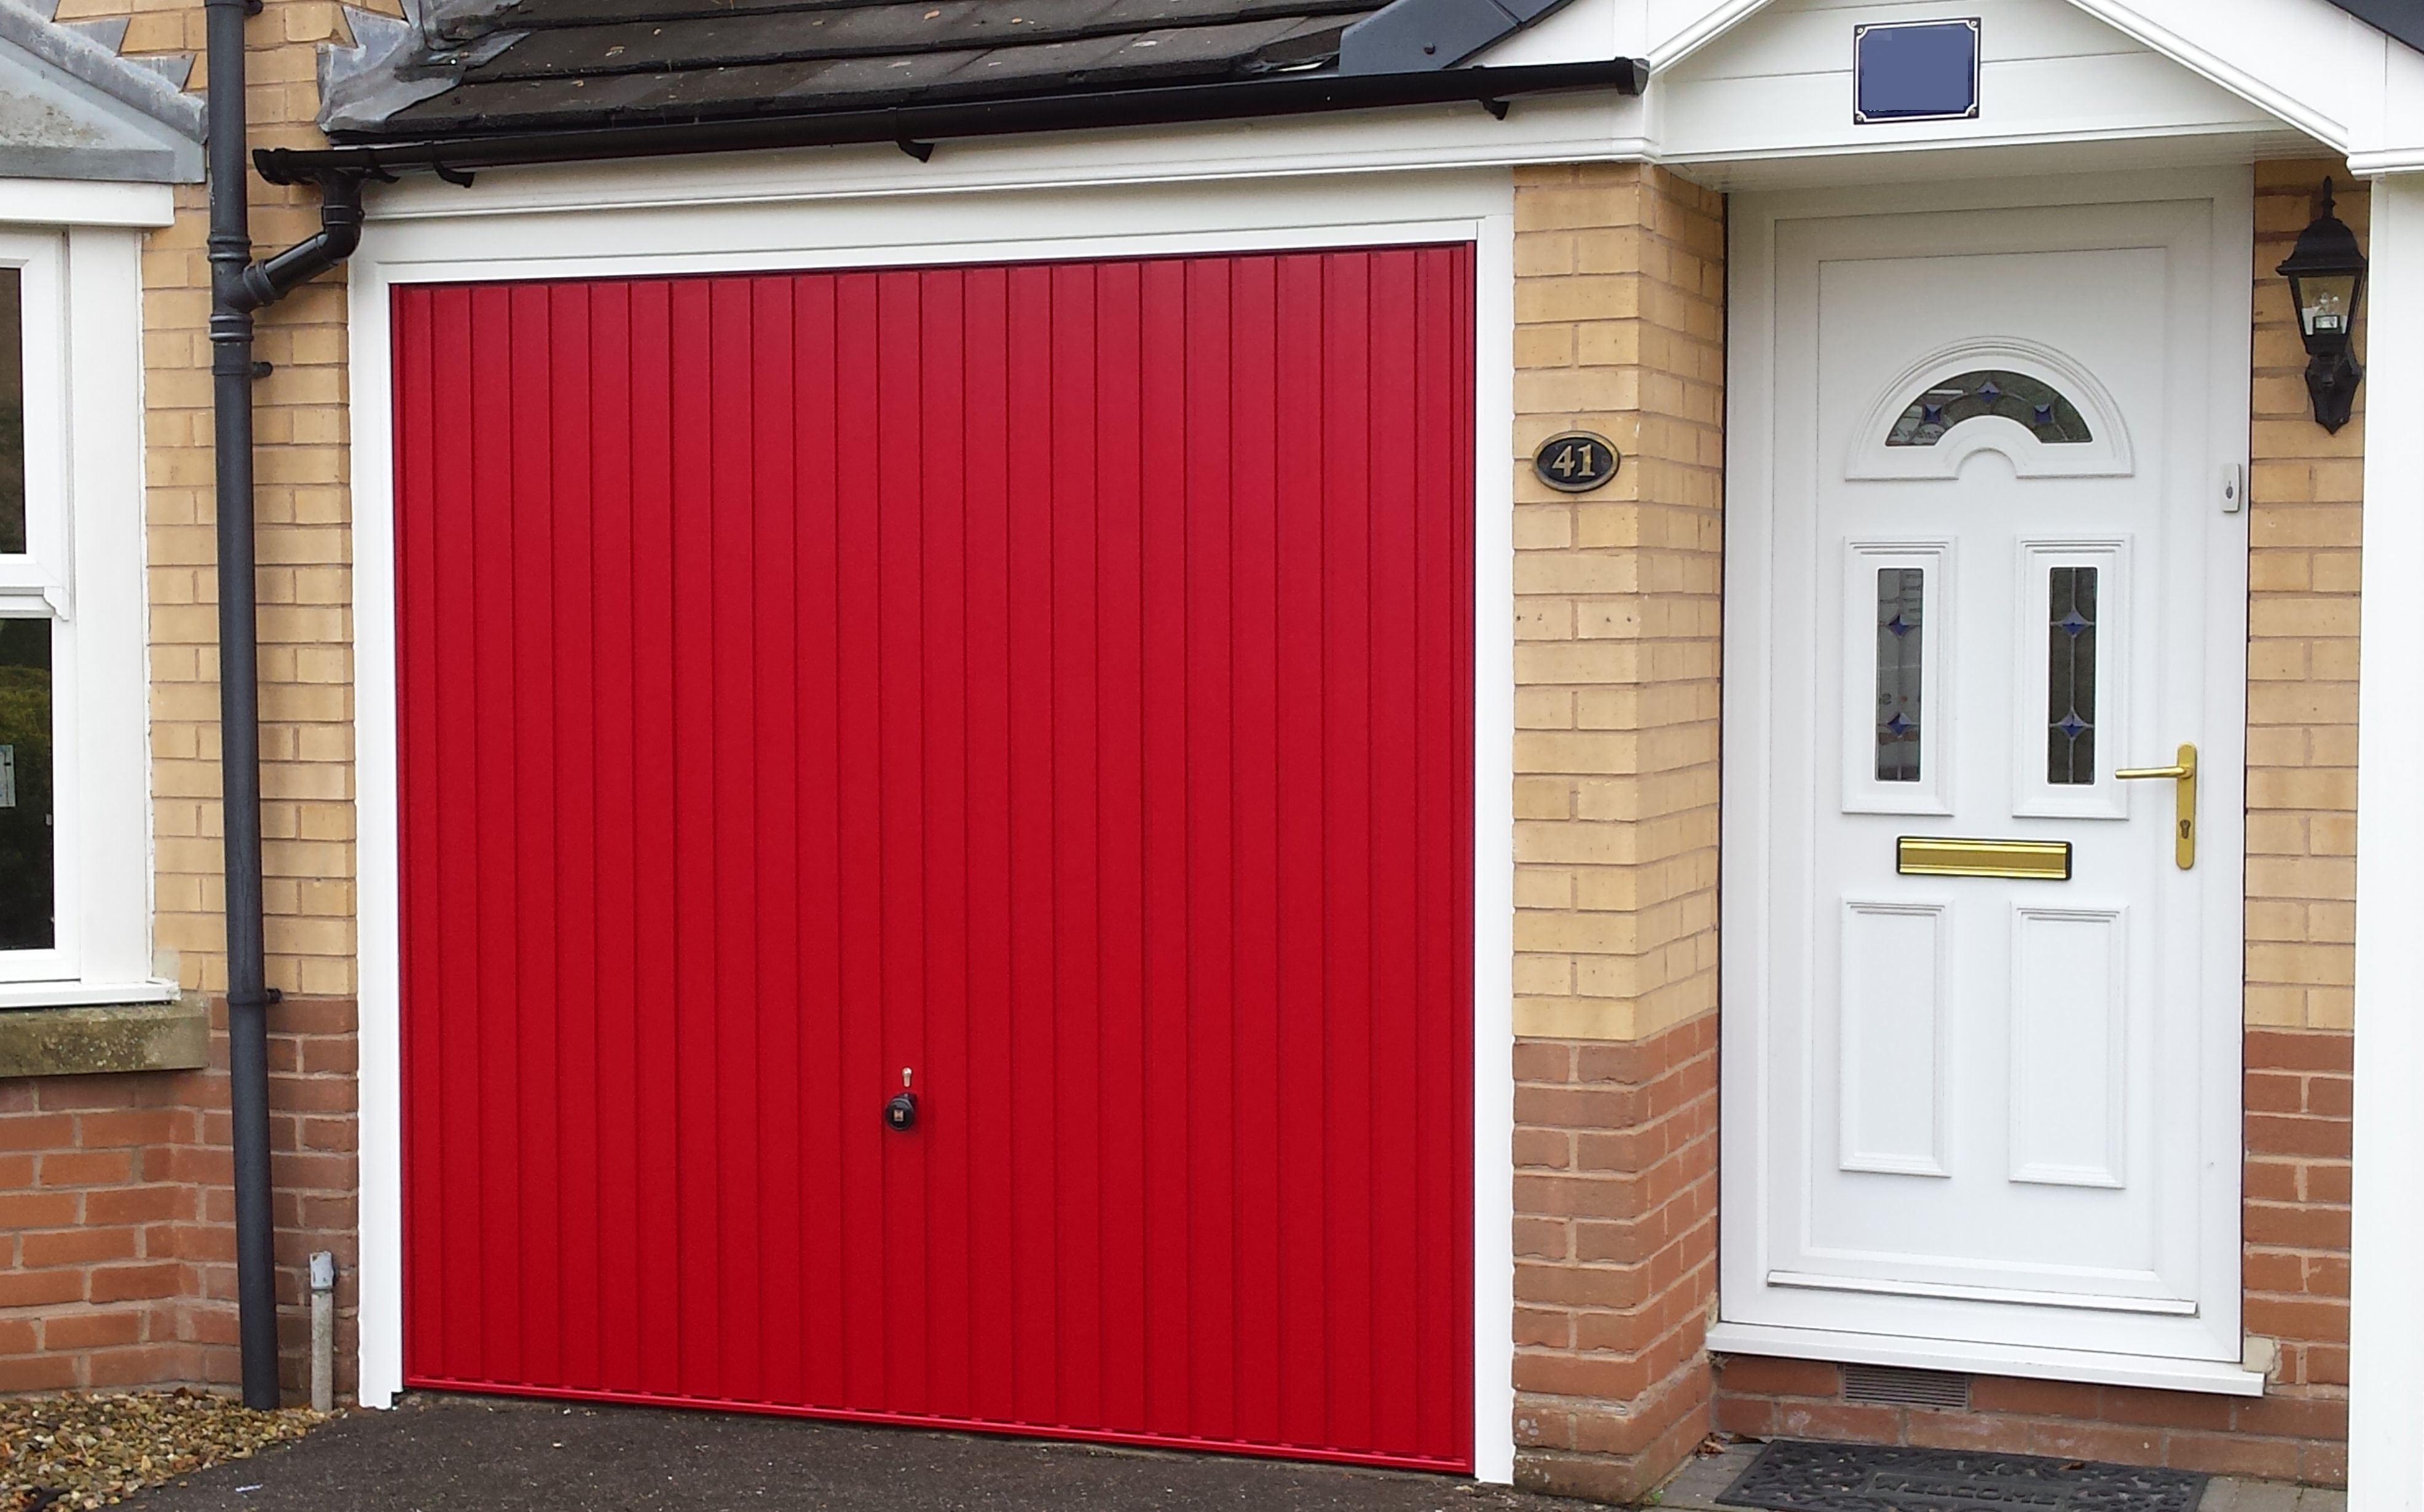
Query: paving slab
x=1695 y=1486
x=2225 y=1493
x=464 y=1454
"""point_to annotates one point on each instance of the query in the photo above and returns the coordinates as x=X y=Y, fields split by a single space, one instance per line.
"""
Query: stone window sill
x=87 y=1039
x=84 y=993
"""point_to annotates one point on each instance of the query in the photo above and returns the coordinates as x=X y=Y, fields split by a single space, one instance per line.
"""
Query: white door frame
x=652 y=236
x=1747 y=930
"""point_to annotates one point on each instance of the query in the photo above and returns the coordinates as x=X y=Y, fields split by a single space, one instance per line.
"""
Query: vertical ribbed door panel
x=1052 y=682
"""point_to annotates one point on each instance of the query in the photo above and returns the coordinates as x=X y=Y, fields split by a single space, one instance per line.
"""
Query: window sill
x=79 y=1039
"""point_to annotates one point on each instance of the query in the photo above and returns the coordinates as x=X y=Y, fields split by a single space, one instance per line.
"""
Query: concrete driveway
x=458 y=1454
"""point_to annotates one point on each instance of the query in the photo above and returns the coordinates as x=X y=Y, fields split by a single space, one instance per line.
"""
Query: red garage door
x=1047 y=687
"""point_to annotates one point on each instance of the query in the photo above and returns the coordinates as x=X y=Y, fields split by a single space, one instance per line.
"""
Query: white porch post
x=2386 y=1365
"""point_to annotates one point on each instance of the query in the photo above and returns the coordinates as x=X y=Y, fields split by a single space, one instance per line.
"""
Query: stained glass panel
x=1901 y=604
x=2070 y=676
x=28 y=867
x=12 y=414
x=2032 y=401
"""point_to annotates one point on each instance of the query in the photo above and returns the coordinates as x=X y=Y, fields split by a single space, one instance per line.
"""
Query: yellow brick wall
x=2305 y=489
x=1619 y=328
x=305 y=582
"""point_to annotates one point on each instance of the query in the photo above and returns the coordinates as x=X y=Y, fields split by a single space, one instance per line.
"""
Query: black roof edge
x=1285 y=94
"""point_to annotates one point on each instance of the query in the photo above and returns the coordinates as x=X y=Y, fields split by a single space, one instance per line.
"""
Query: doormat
x=1794 y=1477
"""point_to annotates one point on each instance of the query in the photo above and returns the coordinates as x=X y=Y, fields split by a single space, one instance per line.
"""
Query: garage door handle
x=900 y=1114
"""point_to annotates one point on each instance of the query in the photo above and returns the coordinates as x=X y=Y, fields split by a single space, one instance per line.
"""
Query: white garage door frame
x=636 y=222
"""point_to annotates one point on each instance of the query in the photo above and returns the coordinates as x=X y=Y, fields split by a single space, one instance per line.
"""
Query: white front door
x=1983 y=990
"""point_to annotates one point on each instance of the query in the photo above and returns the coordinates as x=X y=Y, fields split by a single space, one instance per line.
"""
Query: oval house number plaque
x=1576 y=461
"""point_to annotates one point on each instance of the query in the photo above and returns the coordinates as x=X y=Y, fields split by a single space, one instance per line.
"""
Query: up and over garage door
x=1045 y=689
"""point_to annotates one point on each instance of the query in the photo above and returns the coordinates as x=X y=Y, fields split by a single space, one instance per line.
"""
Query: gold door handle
x=2183 y=773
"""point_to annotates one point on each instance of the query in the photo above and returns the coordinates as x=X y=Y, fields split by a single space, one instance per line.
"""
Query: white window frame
x=83 y=571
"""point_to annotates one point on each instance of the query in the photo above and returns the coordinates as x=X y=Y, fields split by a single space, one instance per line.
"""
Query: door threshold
x=2213 y=1376
x=2169 y=1306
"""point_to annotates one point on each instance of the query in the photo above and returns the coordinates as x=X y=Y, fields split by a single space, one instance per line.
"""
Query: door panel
x=2070 y=1070
x=1990 y=1107
x=1045 y=689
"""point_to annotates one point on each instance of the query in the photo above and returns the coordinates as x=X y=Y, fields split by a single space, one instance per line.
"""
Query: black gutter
x=239 y=286
x=910 y=126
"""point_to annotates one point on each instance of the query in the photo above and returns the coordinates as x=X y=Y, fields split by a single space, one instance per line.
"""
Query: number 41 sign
x=1576 y=461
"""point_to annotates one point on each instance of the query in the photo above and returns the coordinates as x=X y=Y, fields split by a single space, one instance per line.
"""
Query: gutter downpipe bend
x=239 y=286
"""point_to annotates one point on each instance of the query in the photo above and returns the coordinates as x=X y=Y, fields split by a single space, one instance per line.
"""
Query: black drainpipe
x=239 y=286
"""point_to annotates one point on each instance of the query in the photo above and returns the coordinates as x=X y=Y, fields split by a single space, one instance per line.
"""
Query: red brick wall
x=116 y=1244
x=91 y=1209
x=2295 y=1224
x=1615 y=1226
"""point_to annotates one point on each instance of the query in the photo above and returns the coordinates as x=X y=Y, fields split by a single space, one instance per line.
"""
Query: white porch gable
x=2055 y=72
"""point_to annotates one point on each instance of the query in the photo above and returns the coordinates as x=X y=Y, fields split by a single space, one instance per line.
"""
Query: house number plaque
x=1576 y=462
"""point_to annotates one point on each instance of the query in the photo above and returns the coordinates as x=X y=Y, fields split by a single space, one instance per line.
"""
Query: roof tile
x=567 y=64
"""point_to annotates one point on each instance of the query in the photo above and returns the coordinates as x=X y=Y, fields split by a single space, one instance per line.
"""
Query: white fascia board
x=2403 y=92
x=2306 y=61
x=1564 y=128
x=85 y=203
x=1676 y=30
x=2402 y=120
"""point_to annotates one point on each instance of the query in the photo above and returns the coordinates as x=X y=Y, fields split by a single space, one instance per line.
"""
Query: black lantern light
x=2326 y=276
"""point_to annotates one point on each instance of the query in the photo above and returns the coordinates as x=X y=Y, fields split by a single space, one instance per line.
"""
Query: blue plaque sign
x=1915 y=70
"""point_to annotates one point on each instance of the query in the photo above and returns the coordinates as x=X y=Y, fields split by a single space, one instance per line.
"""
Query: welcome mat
x=1792 y=1476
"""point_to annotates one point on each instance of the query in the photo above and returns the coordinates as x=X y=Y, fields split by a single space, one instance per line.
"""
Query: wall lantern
x=2326 y=276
